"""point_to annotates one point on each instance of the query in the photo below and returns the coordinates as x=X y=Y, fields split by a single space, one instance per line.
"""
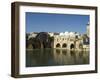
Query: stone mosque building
x=67 y=41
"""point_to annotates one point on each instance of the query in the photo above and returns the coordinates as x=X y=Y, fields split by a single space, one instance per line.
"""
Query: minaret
x=88 y=29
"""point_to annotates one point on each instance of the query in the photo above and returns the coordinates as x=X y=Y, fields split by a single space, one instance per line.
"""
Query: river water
x=55 y=57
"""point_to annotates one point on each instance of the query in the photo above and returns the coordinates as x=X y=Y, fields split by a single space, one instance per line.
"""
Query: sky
x=46 y=22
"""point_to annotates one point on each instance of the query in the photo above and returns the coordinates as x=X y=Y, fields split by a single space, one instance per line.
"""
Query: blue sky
x=46 y=22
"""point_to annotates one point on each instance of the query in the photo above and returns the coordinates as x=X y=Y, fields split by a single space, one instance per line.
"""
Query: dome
x=61 y=33
x=66 y=33
x=71 y=33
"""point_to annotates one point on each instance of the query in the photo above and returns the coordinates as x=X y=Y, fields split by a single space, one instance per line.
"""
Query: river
x=55 y=57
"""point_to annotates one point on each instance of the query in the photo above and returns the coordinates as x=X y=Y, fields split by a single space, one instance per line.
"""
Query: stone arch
x=33 y=43
x=30 y=46
x=80 y=46
x=64 y=45
x=44 y=38
x=58 y=45
x=72 y=46
x=36 y=44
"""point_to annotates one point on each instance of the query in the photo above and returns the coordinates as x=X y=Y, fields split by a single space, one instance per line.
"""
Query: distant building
x=88 y=29
x=51 y=34
x=32 y=35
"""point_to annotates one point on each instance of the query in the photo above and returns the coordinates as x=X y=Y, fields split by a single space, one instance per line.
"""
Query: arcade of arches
x=43 y=40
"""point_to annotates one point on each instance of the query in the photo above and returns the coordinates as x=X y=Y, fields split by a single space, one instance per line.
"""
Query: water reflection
x=53 y=57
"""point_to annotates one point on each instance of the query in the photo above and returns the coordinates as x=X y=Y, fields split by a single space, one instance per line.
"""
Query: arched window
x=64 y=45
x=72 y=46
x=76 y=37
x=57 y=39
x=58 y=45
x=63 y=39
